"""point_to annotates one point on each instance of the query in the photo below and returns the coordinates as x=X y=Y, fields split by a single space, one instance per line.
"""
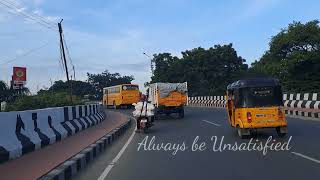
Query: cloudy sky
x=113 y=34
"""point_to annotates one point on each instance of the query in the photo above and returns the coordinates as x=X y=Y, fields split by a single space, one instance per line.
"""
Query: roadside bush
x=42 y=100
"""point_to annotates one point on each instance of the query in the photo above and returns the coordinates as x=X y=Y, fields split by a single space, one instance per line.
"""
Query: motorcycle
x=145 y=124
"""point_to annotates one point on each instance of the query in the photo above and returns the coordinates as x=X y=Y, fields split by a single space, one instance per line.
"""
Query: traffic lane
x=179 y=165
x=97 y=165
x=305 y=133
x=206 y=164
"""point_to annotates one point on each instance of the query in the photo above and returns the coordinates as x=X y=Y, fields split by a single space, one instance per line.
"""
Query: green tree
x=9 y=94
x=293 y=57
x=79 y=88
x=207 y=71
x=45 y=99
x=105 y=79
x=4 y=91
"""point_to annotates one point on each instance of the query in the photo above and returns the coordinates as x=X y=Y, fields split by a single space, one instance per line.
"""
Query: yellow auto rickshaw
x=257 y=103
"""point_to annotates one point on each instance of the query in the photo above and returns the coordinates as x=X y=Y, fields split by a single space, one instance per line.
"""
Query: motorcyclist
x=144 y=111
x=143 y=99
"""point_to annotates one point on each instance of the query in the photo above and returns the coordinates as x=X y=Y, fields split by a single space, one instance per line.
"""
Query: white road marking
x=306 y=157
x=115 y=160
x=211 y=123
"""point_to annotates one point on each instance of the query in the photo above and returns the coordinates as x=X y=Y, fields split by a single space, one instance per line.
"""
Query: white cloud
x=90 y=52
x=20 y=51
x=52 y=19
x=118 y=53
x=29 y=10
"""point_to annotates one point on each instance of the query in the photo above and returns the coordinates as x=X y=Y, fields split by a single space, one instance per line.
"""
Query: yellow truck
x=168 y=98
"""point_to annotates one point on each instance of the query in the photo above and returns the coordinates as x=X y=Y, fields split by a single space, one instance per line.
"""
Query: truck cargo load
x=169 y=97
x=140 y=109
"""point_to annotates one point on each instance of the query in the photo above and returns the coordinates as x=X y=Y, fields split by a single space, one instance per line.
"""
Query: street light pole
x=151 y=64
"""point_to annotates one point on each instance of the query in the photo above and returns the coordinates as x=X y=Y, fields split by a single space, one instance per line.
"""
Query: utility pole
x=74 y=72
x=64 y=59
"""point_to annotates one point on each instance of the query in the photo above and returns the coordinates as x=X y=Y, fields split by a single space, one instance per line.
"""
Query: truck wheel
x=181 y=113
x=145 y=130
x=156 y=114
x=280 y=134
x=254 y=132
x=240 y=132
x=152 y=119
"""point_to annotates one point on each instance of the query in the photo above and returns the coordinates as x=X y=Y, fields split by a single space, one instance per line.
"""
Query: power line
x=19 y=33
x=61 y=63
x=30 y=18
x=17 y=6
x=26 y=15
x=67 y=51
x=24 y=54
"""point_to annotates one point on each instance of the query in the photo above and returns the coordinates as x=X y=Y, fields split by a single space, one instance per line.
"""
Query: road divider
x=297 y=104
x=22 y=132
x=305 y=105
x=208 y=101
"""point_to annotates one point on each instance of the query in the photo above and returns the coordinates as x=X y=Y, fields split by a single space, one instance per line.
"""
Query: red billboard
x=19 y=74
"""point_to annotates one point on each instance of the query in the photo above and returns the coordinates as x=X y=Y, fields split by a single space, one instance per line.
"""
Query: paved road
x=300 y=162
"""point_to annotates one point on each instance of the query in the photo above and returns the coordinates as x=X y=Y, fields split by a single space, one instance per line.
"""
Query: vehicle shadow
x=264 y=135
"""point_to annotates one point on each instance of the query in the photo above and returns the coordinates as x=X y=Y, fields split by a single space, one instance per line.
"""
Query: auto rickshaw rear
x=254 y=104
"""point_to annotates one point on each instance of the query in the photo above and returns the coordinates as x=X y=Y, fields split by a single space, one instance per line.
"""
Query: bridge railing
x=208 y=101
x=24 y=131
x=295 y=104
x=306 y=105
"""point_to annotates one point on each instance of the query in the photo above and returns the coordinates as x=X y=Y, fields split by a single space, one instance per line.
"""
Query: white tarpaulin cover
x=166 y=88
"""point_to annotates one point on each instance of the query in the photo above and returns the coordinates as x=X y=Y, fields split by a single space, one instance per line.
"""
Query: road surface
x=124 y=161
